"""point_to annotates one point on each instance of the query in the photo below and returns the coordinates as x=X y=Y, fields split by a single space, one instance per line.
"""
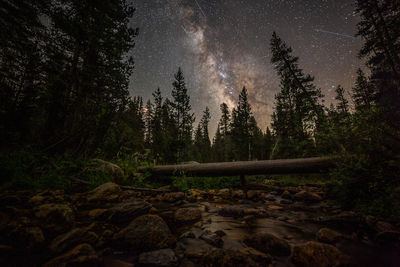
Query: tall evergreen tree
x=22 y=61
x=363 y=92
x=170 y=133
x=225 y=120
x=89 y=70
x=241 y=127
x=298 y=112
x=157 y=129
x=148 y=120
x=183 y=117
x=379 y=26
x=343 y=104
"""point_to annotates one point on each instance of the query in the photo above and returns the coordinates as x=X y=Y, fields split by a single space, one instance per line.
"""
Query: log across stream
x=281 y=166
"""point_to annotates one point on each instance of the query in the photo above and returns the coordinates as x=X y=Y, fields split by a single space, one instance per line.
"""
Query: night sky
x=223 y=45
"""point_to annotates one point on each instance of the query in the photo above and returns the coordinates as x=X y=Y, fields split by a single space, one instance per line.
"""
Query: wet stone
x=187 y=215
x=268 y=243
x=212 y=238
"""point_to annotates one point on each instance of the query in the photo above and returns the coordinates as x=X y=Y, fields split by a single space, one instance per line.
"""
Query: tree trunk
x=281 y=166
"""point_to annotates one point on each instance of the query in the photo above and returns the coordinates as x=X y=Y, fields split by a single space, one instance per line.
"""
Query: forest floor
x=111 y=226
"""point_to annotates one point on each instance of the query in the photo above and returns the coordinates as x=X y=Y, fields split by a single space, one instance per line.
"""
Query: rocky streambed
x=109 y=226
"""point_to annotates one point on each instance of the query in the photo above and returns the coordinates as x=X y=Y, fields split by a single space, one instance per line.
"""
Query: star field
x=223 y=45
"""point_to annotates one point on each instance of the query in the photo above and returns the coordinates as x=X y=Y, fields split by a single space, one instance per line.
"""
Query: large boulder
x=145 y=233
x=81 y=255
x=114 y=171
x=104 y=193
x=306 y=196
x=187 y=215
x=245 y=257
x=127 y=211
x=329 y=236
x=72 y=238
x=162 y=257
x=55 y=218
x=314 y=254
x=268 y=243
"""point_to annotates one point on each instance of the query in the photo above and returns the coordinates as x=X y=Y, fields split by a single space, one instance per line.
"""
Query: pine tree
x=268 y=144
x=206 y=144
x=183 y=117
x=225 y=120
x=241 y=127
x=22 y=61
x=379 y=26
x=157 y=130
x=88 y=71
x=343 y=104
x=148 y=119
x=298 y=112
x=218 y=146
x=198 y=143
x=170 y=132
x=363 y=92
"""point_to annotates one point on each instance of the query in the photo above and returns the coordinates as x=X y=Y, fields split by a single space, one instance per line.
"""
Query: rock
x=187 y=235
x=253 y=194
x=274 y=207
x=245 y=257
x=55 y=217
x=238 y=194
x=127 y=211
x=97 y=213
x=286 y=195
x=316 y=254
x=187 y=215
x=36 y=200
x=162 y=257
x=231 y=211
x=171 y=197
x=198 y=194
x=146 y=233
x=104 y=193
x=224 y=193
x=115 y=172
x=71 y=239
x=268 y=243
x=259 y=213
x=329 y=236
x=306 y=196
x=81 y=255
x=212 y=238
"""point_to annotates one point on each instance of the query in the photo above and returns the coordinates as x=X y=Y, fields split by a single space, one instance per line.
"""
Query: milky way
x=223 y=45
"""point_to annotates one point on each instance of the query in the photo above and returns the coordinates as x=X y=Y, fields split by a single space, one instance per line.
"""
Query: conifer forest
x=96 y=95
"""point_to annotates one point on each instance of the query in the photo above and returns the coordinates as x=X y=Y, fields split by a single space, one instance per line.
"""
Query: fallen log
x=280 y=166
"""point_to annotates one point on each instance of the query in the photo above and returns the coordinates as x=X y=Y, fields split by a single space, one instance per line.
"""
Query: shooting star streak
x=201 y=10
x=335 y=33
x=184 y=29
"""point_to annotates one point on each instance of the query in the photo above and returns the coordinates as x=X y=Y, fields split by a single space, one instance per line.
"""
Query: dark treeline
x=64 y=91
